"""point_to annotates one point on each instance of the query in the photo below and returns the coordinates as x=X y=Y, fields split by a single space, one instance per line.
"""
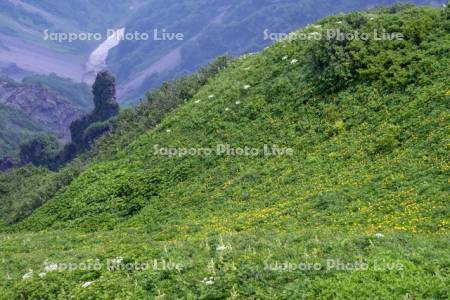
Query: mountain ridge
x=367 y=184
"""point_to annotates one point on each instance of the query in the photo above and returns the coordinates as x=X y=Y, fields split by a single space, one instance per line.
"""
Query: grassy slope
x=23 y=190
x=19 y=196
x=15 y=184
x=369 y=157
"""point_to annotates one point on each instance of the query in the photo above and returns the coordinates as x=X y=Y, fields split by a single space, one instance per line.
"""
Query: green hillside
x=24 y=190
x=358 y=211
x=230 y=27
x=15 y=128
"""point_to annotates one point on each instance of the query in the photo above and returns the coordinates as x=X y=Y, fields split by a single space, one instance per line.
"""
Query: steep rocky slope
x=42 y=106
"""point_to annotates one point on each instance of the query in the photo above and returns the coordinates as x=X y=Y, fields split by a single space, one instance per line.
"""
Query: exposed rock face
x=41 y=105
x=105 y=101
x=106 y=107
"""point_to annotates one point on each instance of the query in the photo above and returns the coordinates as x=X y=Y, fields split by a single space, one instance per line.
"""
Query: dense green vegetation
x=126 y=127
x=367 y=183
x=232 y=27
x=239 y=271
x=16 y=185
x=15 y=128
x=39 y=151
x=27 y=188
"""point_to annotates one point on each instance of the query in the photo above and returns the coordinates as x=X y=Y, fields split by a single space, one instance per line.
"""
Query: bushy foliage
x=231 y=27
x=96 y=130
x=39 y=151
x=367 y=182
x=24 y=189
x=131 y=123
x=15 y=129
x=336 y=63
x=346 y=127
x=259 y=265
x=15 y=186
x=134 y=121
x=68 y=153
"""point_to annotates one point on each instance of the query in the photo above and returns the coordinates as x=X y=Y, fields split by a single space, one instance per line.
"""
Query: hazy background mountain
x=22 y=25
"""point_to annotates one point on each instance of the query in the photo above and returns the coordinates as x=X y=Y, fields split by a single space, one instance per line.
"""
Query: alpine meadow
x=315 y=168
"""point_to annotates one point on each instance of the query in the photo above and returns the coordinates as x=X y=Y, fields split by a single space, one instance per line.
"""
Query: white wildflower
x=246 y=87
x=211 y=96
x=221 y=248
x=227 y=109
x=208 y=281
x=379 y=235
x=294 y=61
x=28 y=275
x=238 y=102
x=168 y=130
x=42 y=274
x=197 y=101
x=285 y=57
x=86 y=284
